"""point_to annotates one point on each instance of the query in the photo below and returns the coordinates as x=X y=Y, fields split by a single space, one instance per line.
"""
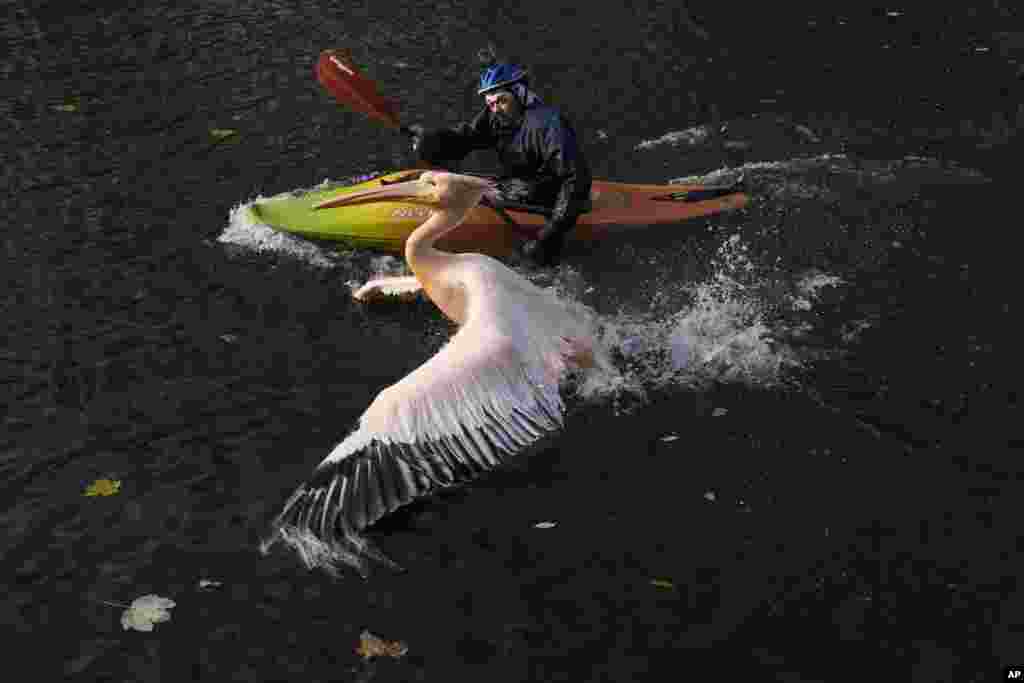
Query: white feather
x=490 y=393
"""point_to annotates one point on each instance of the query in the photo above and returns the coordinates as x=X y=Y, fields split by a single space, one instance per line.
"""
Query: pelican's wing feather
x=483 y=398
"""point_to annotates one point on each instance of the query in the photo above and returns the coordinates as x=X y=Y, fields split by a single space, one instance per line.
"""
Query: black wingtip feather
x=324 y=518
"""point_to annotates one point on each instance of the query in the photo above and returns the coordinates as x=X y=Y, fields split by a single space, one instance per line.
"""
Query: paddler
x=542 y=163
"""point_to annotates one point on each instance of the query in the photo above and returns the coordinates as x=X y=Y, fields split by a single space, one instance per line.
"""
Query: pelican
x=491 y=393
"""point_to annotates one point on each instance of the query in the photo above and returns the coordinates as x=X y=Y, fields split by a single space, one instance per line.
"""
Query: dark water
x=840 y=499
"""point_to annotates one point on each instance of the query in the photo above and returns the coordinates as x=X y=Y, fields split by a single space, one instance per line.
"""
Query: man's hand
x=543 y=252
x=416 y=132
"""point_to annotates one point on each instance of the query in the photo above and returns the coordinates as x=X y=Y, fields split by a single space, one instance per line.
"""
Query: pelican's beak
x=412 y=191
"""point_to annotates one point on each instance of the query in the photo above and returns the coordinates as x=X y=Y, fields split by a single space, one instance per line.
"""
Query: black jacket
x=540 y=159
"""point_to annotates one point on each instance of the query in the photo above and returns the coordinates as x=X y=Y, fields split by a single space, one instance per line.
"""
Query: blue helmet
x=500 y=76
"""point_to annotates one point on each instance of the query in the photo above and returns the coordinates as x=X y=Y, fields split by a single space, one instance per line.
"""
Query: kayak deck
x=386 y=225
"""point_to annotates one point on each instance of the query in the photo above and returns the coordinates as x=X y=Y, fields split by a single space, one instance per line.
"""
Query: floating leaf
x=146 y=611
x=710 y=496
x=103 y=487
x=209 y=584
x=719 y=412
x=229 y=338
x=545 y=525
x=222 y=133
x=670 y=437
x=71 y=105
x=663 y=583
x=372 y=646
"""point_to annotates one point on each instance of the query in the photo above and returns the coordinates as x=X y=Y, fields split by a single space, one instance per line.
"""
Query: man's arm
x=442 y=146
x=565 y=161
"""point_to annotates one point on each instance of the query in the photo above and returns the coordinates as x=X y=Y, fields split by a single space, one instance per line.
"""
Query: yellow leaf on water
x=662 y=583
x=103 y=487
x=70 y=105
x=372 y=646
x=222 y=133
x=146 y=611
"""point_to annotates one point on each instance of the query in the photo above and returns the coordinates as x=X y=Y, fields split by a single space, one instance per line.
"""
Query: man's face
x=504 y=104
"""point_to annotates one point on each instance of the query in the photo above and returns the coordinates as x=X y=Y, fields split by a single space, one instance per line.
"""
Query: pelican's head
x=433 y=188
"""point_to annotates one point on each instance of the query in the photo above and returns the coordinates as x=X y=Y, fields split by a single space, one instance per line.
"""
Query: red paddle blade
x=339 y=75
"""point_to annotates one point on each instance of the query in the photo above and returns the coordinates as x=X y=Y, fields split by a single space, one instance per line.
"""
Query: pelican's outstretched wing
x=478 y=401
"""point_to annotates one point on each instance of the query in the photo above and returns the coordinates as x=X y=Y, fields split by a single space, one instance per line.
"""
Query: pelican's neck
x=424 y=260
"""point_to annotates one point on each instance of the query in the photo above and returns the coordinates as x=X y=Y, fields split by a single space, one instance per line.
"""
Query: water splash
x=730 y=328
x=734 y=326
x=248 y=235
x=820 y=177
x=809 y=286
x=690 y=137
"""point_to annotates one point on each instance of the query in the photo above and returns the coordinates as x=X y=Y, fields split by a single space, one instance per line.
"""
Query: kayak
x=496 y=230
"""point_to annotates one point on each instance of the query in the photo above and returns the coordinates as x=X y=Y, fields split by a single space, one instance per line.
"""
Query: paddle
x=341 y=77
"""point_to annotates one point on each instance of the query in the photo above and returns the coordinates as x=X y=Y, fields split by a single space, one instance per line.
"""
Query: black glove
x=434 y=146
x=546 y=250
x=415 y=133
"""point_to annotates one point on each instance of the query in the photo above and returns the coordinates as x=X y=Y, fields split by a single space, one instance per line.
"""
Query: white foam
x=248 y=234
x=808 y=286
x=251 y=235
x=909 y=168
x=690 y=137
x=725 y=329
